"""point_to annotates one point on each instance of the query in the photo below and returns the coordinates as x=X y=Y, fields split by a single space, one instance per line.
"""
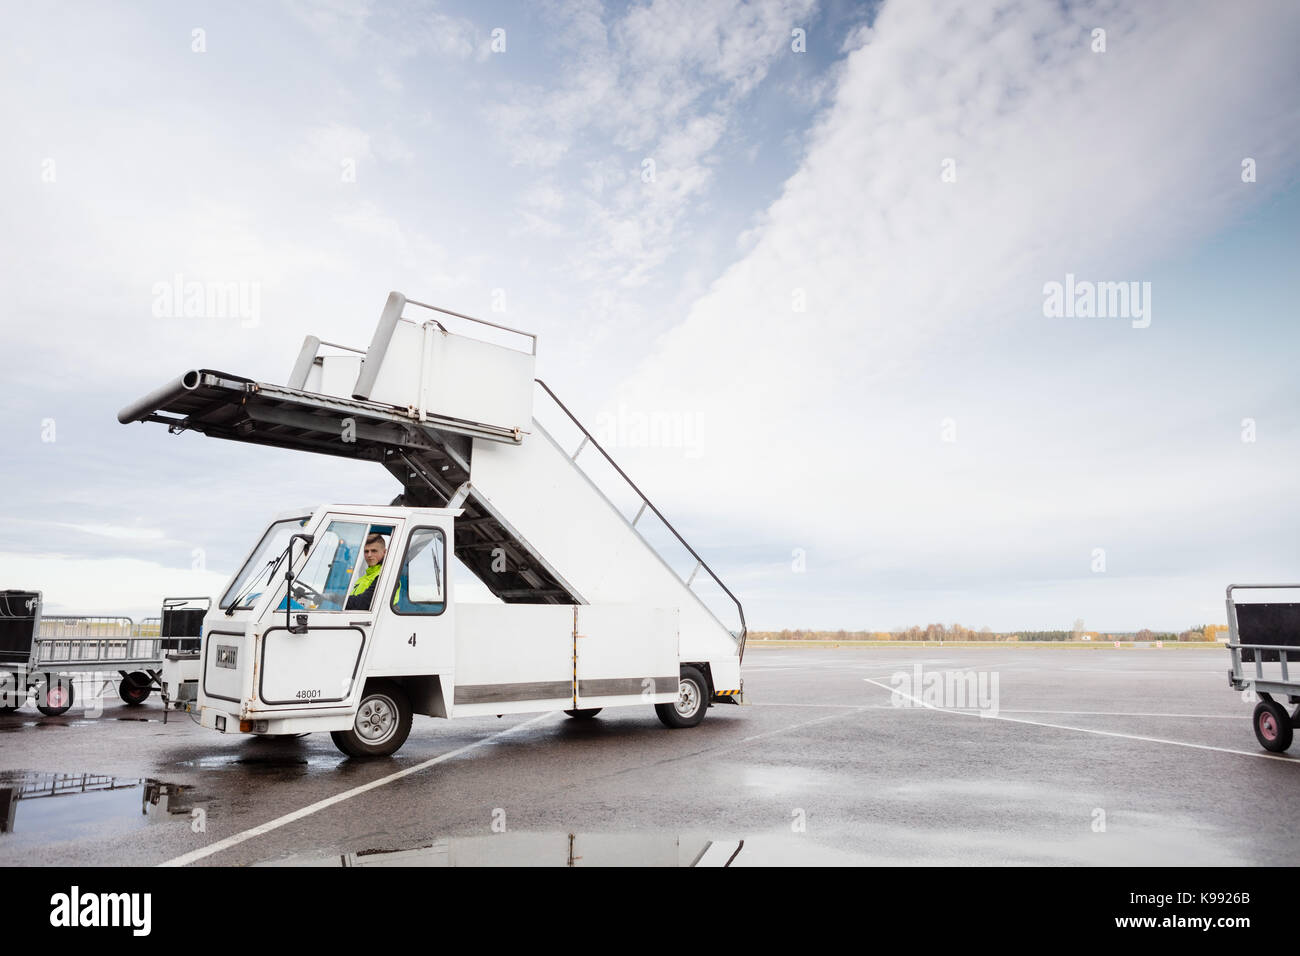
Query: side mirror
x=288 y=586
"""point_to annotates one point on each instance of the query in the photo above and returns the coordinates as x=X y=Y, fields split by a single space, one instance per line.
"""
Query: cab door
x=314 y=643
x=413 y=630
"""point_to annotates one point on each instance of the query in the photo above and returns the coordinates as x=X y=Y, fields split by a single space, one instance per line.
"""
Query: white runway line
x=1118 y=713
x=773 y=703
x=194 y=855
x=1083 y=730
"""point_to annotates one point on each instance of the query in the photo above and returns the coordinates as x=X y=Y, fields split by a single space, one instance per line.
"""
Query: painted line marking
x=194 y=855
x=1082 y=730
x=1116 y=713
x=1010 y=710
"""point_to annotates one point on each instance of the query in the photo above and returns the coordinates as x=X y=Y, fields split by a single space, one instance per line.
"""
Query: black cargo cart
x=40 y=654
x=1263 y=641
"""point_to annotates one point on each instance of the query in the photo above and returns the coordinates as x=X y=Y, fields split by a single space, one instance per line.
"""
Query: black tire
x=135 y=688
x=1272 y=726
x=382 y=724
x=692 y=700
x=584 y=714
x=55 y=696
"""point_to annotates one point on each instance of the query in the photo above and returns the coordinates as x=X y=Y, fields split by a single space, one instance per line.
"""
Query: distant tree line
x=956 y=632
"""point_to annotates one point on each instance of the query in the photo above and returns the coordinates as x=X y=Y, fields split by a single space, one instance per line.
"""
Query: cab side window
x=421 y=583
x=324 y=581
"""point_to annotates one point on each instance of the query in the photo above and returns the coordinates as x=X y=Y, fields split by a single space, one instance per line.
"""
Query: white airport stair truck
x=343 y=617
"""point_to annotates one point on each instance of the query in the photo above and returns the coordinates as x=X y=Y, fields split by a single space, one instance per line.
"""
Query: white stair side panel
x=552 y=505
x=513 y=658
x=626 y=654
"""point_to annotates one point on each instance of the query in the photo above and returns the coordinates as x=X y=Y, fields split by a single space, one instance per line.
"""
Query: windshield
x=343 y=567
x=258 y=572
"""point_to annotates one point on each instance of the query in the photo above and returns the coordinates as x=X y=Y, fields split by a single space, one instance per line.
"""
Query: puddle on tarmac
x=260 y=762
x=37 y=809
x=595 y=849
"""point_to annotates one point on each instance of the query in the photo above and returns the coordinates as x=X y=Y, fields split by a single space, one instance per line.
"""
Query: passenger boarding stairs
x=450 y=417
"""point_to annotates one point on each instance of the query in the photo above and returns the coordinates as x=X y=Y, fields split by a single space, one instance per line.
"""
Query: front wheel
x=1272 y=726
x=692 y=700
x=55 y=696
x=382 y=724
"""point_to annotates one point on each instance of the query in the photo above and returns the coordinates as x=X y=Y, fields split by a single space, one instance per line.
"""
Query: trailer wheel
x=55 y=696
x=1272 y=726
x=692 y=700
x=135 y=688
x=382 y=724
x=584 y=714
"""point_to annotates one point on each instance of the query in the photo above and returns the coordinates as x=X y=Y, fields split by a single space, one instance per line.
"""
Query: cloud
x=661 y=85
x=876 y=301
x=401 y=30
x=76 y=585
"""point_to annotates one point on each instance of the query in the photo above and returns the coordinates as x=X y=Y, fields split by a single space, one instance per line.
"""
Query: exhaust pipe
x=160 y=397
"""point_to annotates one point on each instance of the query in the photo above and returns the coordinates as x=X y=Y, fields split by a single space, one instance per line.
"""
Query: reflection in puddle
x=42 y=807
x=596 y=849
x=260 y=762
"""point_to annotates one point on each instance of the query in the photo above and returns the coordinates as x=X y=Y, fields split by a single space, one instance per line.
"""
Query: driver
x=374 y=552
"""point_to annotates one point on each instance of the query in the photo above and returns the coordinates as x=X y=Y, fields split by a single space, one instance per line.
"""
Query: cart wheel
x=55 y=696
x=584 y=714
x=1272 y=726
x=382 y=723
x=135 y=688
x=692 y=700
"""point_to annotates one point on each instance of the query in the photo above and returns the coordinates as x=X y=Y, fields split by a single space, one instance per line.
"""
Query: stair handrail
x=647 y=503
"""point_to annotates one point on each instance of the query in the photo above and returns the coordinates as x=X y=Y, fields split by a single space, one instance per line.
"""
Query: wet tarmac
x=1059 y=757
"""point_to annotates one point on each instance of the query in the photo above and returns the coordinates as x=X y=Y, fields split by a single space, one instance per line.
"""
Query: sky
x=815 y=242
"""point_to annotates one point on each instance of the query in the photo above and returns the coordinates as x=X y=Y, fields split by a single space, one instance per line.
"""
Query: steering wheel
x=300 y=589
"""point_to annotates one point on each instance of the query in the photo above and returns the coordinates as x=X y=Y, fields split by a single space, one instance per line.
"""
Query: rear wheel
x=1272 y=726
x=55 y=696
x=692 y=700
x=135 y=688
x=382 y=724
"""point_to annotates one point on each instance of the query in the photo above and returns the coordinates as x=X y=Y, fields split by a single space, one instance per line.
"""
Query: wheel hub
x=1268 y=726
x=376 y=720
x=688 y=698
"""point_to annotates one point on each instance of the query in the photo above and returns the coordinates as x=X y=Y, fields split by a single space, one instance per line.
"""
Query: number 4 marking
x=412 y=640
